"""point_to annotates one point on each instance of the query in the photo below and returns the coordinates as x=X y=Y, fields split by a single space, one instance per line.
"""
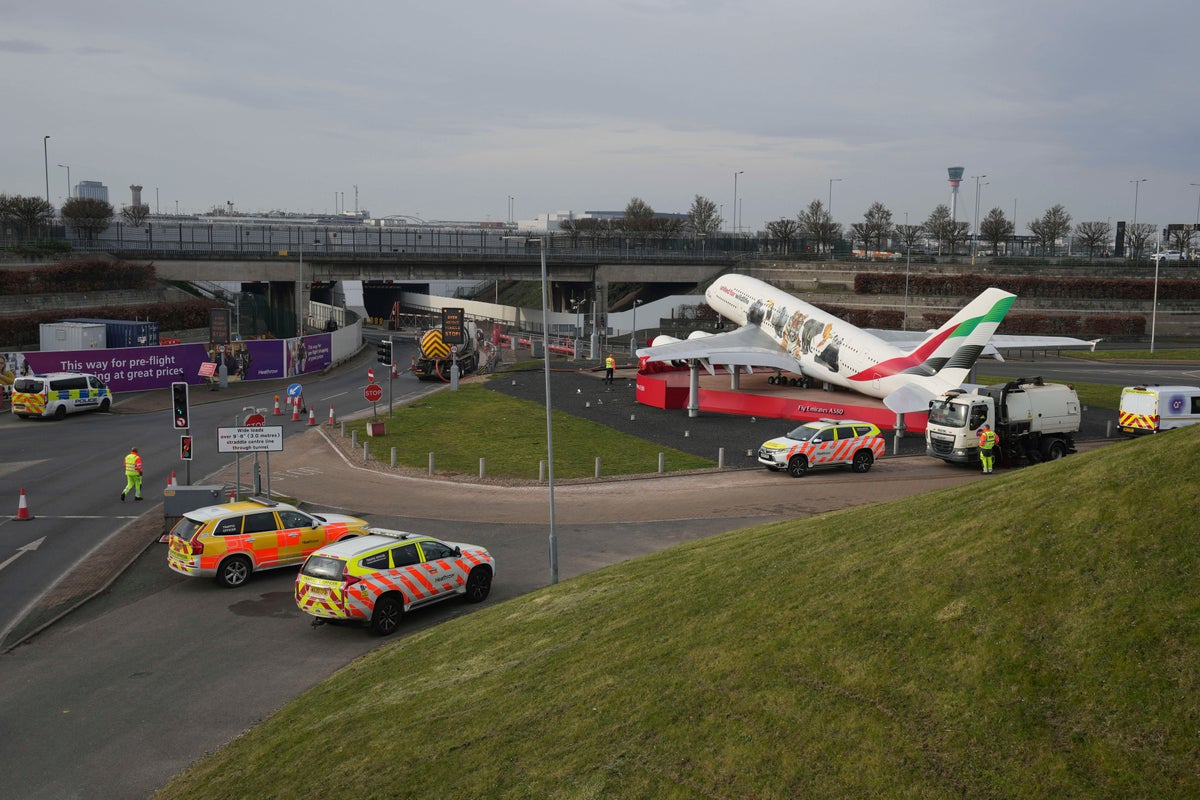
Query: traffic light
x=185 y=447
x=383 y=352
x=179 y=404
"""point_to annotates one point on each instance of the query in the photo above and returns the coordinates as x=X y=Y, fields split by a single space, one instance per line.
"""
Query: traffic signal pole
x=181 y=421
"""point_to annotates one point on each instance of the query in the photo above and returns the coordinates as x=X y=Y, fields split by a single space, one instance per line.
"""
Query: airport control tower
x=956 y=174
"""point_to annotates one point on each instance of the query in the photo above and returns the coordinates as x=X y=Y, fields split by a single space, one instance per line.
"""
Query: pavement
x=345 y=482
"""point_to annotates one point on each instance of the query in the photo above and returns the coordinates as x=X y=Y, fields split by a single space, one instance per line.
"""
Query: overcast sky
x=446 y=109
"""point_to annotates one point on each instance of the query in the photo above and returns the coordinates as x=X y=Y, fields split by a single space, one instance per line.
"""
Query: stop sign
x=255 y=421
x=373 y=392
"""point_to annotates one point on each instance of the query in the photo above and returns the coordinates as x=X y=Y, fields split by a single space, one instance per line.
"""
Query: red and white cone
x=23 y=509
x=330 y=415
x=312 y=416
x=233 y=495
x=172 y=481
x=296 y=409
x=277 y=411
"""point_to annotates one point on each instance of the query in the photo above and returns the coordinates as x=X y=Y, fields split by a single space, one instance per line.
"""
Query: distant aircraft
x=783 y=332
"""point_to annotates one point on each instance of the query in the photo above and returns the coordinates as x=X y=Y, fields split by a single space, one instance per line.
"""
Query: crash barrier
x=558 y=344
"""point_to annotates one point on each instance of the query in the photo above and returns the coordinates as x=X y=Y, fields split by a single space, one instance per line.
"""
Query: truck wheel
x=863 y=460
x=1053 y=450
x=797 y=466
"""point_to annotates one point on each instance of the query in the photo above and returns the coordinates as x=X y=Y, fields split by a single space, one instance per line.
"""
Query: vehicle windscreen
x=27 y=386
x=804 y=432
x=186 y=528
x=324 y=567
x=952 y=415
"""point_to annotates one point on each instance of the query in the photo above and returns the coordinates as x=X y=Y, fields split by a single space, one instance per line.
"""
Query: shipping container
x=125 y=333
x=60 y=336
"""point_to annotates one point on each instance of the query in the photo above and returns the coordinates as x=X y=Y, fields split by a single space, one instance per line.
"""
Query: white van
x=58 y=394
x=1151 y=409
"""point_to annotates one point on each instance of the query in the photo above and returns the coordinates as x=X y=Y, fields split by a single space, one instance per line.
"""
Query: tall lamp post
x=68 y=169
x=735 y=225
x=1197 y=214
x=975 y=237
x=1137 y=184
x=829 y=211
x=46 y=158
x=633 y=336
x=907 y=267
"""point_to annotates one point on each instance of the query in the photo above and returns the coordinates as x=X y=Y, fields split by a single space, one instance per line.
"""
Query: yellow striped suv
x=58 y=394
x=827 y=443
x=377 y=578
x=231 y=541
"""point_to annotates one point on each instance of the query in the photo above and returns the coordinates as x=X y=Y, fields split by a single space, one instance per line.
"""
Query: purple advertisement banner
x=135 y=369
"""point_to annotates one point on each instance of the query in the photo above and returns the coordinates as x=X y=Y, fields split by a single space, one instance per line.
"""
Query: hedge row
x=1026 y=286
x=24 y=331
x=80 y=275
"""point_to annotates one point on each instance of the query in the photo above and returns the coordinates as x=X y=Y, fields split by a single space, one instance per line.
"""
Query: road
x=122 y=694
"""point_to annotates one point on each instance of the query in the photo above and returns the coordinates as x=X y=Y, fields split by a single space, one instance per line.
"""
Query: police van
x=1151 y=409
x=58 y=394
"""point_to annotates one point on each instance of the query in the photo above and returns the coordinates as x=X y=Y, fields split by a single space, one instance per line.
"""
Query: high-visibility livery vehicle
x=824 y=443
x=58 y=394
x=1152 y=409
x=377 y=578
x=231 y=541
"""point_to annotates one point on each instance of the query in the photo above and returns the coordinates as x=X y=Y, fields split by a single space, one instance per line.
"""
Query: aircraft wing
x=747 y=346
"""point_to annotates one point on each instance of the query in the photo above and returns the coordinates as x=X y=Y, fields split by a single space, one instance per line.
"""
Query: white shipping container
x=59 y=336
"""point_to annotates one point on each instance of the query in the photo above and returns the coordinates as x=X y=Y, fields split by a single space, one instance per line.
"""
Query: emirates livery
x=783 y=332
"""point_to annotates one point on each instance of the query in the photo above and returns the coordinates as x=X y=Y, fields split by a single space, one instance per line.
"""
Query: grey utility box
x=178 y=500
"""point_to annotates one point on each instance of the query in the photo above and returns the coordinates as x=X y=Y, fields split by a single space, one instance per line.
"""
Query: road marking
x=22 y=551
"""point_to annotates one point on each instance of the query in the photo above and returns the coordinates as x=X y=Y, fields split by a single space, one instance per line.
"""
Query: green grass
x=1034 y=635
x=1136 y=355
x=461 y=427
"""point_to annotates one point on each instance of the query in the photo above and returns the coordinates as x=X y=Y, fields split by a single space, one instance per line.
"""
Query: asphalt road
x=123 y=693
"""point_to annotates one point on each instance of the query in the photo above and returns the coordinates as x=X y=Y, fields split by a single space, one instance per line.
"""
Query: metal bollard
x=597 y=466
x=343 y=429
x=431 y=463
x=354 y=438
x=720 y=458
x=542 y=471
x=661 y=462
x=482 y=468
x=366 y=454
x=393 y=458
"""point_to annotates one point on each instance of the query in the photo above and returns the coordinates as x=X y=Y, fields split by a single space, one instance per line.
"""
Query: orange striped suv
x=827 y=443
x=377 y=578
x=230 y=541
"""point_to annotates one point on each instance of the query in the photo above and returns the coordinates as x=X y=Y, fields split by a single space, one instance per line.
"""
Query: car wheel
x=797 y=466
x=60 y=412
x=234 y=571
x=104 y=405
x=479 y=583
x=389 y=611
x=863 y=460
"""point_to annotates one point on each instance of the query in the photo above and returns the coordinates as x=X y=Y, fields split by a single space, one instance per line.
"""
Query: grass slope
x=1033 y=635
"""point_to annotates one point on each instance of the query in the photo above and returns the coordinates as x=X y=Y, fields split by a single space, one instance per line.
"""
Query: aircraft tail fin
x=951 y=350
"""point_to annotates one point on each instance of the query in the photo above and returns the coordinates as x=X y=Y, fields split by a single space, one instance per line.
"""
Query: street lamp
x=829 y=211
x=68 y=169
x=735 y=225
x=1197 y=213
x=1137 y=184
x=46 y=158
x=633 y=336
x=907 y=266
x=975 y=238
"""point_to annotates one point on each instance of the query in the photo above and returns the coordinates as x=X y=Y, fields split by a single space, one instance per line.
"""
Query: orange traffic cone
x=296 y=410
x=277 y=411
x=23 y=509
x=172 y=481
x=233 y=495
x=312 y=417
x=331 y=414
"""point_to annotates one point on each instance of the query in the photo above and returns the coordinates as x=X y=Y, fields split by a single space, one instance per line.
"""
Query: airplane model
x=783 y=332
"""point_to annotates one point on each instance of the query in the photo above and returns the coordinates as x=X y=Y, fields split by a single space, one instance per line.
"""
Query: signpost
x=250 y=439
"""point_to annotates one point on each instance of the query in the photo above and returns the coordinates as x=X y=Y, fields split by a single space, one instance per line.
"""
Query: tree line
x=31 y=217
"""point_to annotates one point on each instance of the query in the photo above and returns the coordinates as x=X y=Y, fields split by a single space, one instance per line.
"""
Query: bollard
x=393 y=458
x=686 y=434
x=632 y=417
x=343 y=429
x=597 y=466
x=354 y=438
x=660 y=463
x=431 y=463
x=366 y=455
x=1108 y=430
x=720 y=458
x=541 y=471
x=482 y=468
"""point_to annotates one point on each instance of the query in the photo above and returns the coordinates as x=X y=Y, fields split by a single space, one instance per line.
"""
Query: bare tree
x=87 y=216
x=945 y=231
x=638 y=220
x=1138 y=235
x=135 y=215
x=996 y=228
x=1178 y=239
x=1093 y=235
x=879 y=225
x=817 y=224
x=26 y=214
x=1052 y=226
x=783 y=231
x=703 y=219
x=909 y=235
x=861 y=232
